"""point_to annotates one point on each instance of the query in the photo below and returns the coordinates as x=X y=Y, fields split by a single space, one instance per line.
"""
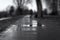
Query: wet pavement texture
x=26 y=28
x=50 y=29
x=19 y=28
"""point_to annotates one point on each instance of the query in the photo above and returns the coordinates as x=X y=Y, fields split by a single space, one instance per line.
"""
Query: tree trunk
x=39 y=7
x=39 y=13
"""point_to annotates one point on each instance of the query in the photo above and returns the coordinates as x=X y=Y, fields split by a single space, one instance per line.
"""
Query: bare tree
x=19 y=2
x=39 y=7
x=39 y=13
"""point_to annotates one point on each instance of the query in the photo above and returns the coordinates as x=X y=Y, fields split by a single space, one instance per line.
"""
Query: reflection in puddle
x=28 y=16
x=43 y=26
x=27 y=27
x=34 y=23
x=13 y=28
x=33 y=29
x=10 y=31
x=24 y=25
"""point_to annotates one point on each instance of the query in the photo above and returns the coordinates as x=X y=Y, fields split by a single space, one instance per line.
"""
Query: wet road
x=50 y=29
x=20 y=29
x=25 y=28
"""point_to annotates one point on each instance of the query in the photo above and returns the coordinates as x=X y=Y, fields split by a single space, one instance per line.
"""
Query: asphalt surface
x=18 y=28
x=50 y=29
x=26 y=28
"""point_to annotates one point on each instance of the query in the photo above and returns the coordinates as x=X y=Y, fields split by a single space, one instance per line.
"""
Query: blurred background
x=48 y=7
x=29 y=20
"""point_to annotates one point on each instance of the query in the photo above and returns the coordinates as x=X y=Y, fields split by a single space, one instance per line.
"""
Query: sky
x=44 y=6
x=6 y=4
x=32 y=5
